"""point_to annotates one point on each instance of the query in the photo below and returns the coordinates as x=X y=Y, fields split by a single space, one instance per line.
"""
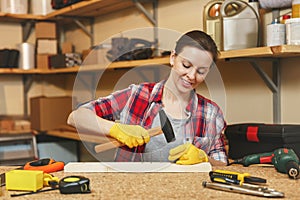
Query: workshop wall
x=247 y=97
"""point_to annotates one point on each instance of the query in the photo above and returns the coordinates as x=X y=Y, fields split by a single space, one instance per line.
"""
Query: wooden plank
x=250 y=52
x=278 y=51
x=101 y=8
x=286 y=50
x=113 y=65
x=120 y=5
x=19 y=71
x=68 y=9
x=91 y=8
x=88 y=8
x=3 y=132
x=135 y=167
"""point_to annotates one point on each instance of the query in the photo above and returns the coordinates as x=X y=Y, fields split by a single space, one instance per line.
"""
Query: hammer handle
x=113 y=143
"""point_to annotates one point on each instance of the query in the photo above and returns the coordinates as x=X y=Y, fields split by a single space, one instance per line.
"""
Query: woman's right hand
x=130 y=135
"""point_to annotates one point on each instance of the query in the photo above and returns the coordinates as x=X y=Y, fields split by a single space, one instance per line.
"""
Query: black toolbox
x=251 y=138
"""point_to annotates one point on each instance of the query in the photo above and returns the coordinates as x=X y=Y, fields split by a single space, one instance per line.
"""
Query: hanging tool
x=284 y=160
x=224 y=176
x=244 y=189
x=166 y=129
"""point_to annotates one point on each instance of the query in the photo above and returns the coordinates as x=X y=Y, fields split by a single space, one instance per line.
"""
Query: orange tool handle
x=115 y=143
x=47 y=165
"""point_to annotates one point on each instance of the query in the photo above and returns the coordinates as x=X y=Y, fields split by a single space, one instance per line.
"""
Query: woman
x=197 y=122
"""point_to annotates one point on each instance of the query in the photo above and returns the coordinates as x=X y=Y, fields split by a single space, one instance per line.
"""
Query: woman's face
x=190 y=68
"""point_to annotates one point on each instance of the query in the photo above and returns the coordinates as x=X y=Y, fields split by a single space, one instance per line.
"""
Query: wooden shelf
x=87 y=8
x=277 y=51
x=251 y=52
x=91 y=8
x=114 y=65
x=286 y=50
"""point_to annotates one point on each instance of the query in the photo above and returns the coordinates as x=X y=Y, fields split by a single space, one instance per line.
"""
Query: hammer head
x=166 y=127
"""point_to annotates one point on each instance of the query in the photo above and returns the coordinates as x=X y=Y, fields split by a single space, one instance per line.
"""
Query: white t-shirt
x=157 y=149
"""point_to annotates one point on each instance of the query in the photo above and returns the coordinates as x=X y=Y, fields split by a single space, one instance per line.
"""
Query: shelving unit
x=92 y=8
x=85 y=10
x=88 y=8
x=259 y=52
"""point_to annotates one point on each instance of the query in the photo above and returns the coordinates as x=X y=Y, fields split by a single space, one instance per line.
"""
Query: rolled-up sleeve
x=212 y=142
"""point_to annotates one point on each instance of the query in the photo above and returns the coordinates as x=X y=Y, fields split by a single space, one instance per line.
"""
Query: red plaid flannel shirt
x=139 y=104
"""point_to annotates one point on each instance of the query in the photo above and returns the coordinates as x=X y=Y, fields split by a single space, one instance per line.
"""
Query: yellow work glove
x=130 y=135
x=187 y=154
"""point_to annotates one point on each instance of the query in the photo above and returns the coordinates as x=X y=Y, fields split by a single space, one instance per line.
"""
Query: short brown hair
x=198 y=39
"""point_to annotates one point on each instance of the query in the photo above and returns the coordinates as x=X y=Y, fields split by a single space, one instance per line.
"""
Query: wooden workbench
x=163 y=185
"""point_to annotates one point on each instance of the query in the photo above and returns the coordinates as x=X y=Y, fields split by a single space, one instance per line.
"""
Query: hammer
x=166 y=129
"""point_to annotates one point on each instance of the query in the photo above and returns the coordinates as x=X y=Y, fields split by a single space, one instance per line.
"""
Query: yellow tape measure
x=74 y=184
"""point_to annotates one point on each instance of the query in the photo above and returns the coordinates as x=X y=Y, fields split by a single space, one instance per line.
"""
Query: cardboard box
x=6 y=125
x=22 y=125
x=48 y=113
x=96 y=56
x=45 y=30
x=67 y=47
x=42 y=61
x=46 y=46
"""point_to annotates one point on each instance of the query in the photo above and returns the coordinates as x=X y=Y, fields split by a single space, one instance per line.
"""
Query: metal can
x=275 y=34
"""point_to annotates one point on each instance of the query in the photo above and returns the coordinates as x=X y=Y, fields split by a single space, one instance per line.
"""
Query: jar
x=296 y=9
x=275 y=34
x=293 y=31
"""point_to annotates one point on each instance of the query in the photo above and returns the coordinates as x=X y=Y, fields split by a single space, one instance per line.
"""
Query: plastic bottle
x=295 y=8
x=284 y=18
x=255 y=5
x=235 y=14
x=275 y=33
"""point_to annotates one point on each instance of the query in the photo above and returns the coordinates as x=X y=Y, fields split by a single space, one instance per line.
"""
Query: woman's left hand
x=187 y=154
